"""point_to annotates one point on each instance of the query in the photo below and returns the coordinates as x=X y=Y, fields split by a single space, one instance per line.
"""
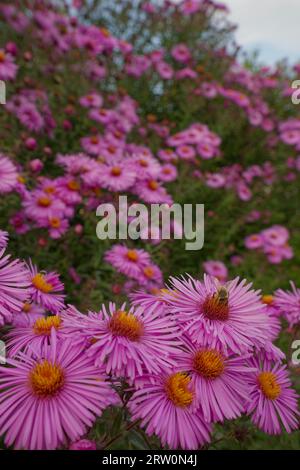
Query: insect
x=222 y=295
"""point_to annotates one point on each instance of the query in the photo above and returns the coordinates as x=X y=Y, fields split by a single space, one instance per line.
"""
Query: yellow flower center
x=209 y=363
x=177 y=388
x=21 y=179
x=46 y=379
x=215 y=307
x=127 y=325
x=132 y=255
x=43 y=326
x=44 y=201
x=41 y=284
x=269 y=385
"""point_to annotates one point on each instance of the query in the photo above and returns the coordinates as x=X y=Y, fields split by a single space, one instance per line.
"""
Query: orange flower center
x=116 y=171
x=43 y=326
x=177 y=388
x=132 y=255
x=267 y=299
x=46 y=379
x=41 y=284
x=153 y=185
x=215 y=307
x=73 y=185
x=2 y=56
x=209 y=363
x=44 y=201
x=144 y=162
x=126 y=325
x=26 y=307
x=49 y=189
x=55 y=222
x=149 y=272
x=269 y=385
x=94 y=140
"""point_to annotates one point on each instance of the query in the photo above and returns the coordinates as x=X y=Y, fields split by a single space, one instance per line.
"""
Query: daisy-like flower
x=126 y=341
x=3 y=239
x=127 y=261
x=14 y=284
x=32 y=338
x=41 y=205
x=8 y=68
x=8 y=175
x=116 y=177
x=288 y=303
x=46 y=289
x=272 y=400
x=48 y=400
x=166 y=406
x=228 y=318
x=151 y=191
x=219 y=381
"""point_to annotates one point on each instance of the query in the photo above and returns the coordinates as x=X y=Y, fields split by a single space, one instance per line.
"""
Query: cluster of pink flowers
x=216 y=360
x=273 y=242
x=195 y=141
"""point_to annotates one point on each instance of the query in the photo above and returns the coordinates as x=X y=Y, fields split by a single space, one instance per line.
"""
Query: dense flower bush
x=139 y=343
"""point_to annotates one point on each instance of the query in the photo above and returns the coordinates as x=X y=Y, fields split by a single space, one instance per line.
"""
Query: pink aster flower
x=92 y=144
x=57 y=225
x=168 y=173
x=116 y=177
x=276 y=235
x=219 y=381
x=181 y=53
x=145 y=166
x=127 y=261
x=92 y=100
x=8 y=68
x=228 y=318
x=46 y=289
x=32 y=338
x=57 y=396
x=272 y=400
x=8 y=175
x=166 y=406
x=254 y=241
x=151 y=191
x=216 y=269
x=164 y=70
x=14 y=283
x=186 y=152
x=30 y=117
x=288 y=303
x=126 y=342
x=42 y=205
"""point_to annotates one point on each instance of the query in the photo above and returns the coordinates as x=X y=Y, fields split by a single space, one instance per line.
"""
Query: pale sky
x=272 y=26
